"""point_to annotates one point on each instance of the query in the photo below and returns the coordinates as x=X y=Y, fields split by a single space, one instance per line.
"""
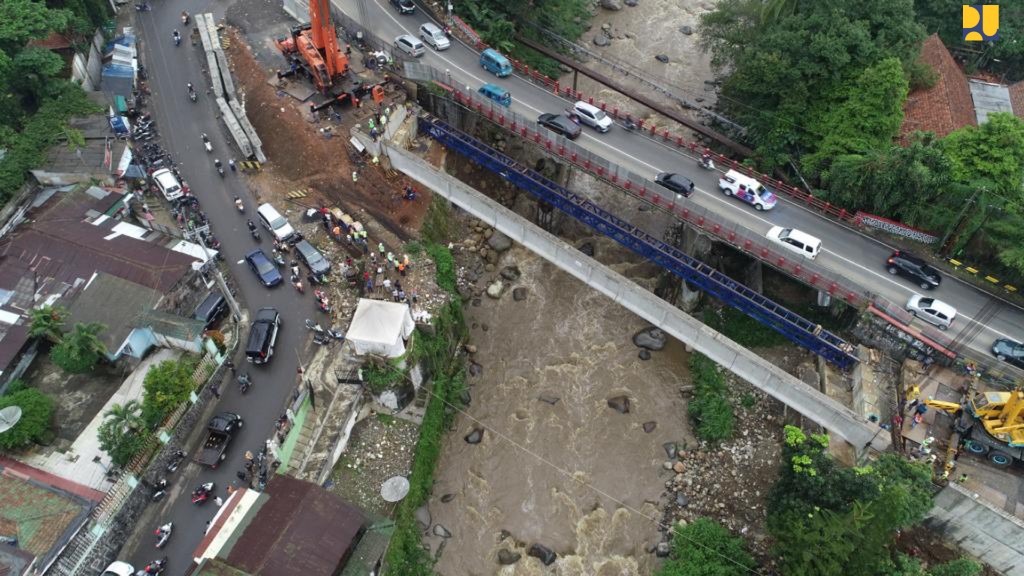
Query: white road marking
x=721 y=201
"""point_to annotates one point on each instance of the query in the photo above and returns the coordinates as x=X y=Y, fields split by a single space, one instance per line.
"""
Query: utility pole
x=236 y=312
x=956 y=225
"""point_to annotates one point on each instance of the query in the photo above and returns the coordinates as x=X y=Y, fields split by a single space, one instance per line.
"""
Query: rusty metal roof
x=303 y=530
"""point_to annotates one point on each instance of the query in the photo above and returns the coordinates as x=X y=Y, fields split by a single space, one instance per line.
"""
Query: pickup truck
x=218 y=435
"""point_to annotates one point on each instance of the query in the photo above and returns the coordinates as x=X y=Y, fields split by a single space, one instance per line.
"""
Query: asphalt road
x=180 y=123
x=845 y=252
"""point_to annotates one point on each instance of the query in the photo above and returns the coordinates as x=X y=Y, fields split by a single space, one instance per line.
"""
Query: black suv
x=316 y=262
x=906 y=264
x=211 y=310
x=262 y=336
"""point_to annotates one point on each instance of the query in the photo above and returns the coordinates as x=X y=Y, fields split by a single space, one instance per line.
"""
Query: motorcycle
x=163 y=534
x=154 y=568
x=219 y=166
x=161 y=490
x=278 y=258
x=239 y=205
x=297 y=284
x=706 y=162
x=244 y=382
x=177 y=38
x=142 y=7
x=202 y=493
x=321 y=301
x=253 y=230
x=175 y=461
x=630 y=125
x=206 y=143
x=184 y=17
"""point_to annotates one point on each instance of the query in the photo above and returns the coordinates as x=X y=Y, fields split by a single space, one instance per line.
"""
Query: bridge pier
x=824 y=298
x=753 y=276
x=546 y=217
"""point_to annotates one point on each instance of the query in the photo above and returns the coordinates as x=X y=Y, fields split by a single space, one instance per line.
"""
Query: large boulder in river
x=652 y=338
x=496 y=289
x=543 y=553
x=610 y=4
x=499 y=242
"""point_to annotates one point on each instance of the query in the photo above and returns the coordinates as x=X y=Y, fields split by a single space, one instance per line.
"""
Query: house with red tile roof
x=944 y=107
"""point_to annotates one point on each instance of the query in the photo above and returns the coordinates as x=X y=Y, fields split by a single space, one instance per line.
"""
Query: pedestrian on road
x=387 y=284
x=231 y=164
x=218 y=501
x=248 y=456
x=215 y=390
x=401 y=296
x=394 y=295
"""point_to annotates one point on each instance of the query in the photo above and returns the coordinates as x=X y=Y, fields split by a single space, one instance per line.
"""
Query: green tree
x=47 y=322
x=1005 y=56
x=988 y=161
x=80 y=349
x=705 y=548
x=958 y=567
x=827 y=519
x=868 y=119
x=785 y=79
x=166 y=385
x=35 y=75
x=905 y=183
x=121 y=433
x=36 y=418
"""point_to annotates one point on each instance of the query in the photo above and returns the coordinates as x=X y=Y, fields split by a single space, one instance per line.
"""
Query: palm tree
x=125 y=417
x=85 y=338
x=47 y=322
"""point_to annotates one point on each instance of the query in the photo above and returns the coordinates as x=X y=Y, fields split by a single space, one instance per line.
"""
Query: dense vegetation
x=827 y=519
x=710 y=408
x=820 y=89
x=705 y=548
x=35 y=98
x=439 y=351
x=36 y=422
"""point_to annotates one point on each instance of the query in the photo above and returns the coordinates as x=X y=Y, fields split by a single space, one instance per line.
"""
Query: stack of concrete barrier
x=231 y=110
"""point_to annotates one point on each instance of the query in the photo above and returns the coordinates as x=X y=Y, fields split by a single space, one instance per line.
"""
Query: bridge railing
x=641 y=187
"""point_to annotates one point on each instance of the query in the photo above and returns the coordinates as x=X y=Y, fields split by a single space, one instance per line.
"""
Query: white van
x=795 y=241
x=410 y=45
x=747 y=189
x=168 y=184
x=273 y=221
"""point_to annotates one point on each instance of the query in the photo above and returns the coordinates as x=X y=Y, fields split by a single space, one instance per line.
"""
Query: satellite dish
x=394 y=489
x=9 y=417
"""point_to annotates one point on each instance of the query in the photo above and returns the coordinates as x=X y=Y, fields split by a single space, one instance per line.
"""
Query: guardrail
x=642 y=188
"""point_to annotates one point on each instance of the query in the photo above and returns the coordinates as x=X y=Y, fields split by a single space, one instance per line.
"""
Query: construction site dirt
x=311 y=163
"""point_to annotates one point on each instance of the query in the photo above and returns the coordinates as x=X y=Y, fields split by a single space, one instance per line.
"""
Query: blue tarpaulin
x=118 y=79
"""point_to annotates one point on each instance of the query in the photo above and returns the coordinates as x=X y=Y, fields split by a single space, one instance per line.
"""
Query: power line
x=671 y=529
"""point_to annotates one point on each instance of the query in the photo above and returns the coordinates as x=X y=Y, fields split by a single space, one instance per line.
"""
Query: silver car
x=931 y=311
x=410 y=45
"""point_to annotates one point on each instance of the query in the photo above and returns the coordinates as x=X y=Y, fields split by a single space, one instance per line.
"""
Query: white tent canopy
x=380 y=328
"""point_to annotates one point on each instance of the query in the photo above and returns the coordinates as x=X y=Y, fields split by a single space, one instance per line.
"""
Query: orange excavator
x=314 y=48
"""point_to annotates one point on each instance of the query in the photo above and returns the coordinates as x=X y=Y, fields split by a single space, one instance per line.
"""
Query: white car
x=168 y=184
x=592 y=116
x=119 y=568
x=931 y=311
x=434 y=36
x=795 y=241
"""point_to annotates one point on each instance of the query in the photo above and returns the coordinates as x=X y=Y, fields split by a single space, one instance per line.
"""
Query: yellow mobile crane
x=988 y=424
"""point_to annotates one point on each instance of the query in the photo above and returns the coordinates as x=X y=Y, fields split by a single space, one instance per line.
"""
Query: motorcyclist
x=177 y=36
x=251 y=225
x=239 y=204
x=705 y=158
x=184 y=17
x=231 y=164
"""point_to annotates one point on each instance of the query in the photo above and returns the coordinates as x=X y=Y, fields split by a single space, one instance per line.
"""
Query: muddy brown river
x=576 y=475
